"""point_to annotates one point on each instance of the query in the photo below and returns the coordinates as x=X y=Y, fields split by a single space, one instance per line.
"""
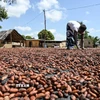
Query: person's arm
x=82 y=41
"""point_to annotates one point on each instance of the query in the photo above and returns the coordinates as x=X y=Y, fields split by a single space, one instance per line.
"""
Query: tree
x=3 y=14
x=9 y=2
x=28 y=37
x=24 y=36
x=95 y=41
x=45 y=34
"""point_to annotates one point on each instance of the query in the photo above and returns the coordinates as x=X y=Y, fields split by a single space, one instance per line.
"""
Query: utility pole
x=44 y=27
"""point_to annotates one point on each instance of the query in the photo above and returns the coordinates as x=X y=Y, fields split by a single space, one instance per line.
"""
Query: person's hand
x=83 y=48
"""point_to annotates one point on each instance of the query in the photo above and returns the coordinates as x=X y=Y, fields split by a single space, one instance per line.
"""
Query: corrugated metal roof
x=4 y=34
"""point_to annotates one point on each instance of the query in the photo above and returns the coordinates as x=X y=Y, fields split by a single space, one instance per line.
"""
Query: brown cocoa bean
x=60 y=93
x=83 y=89
x=33 y=77
x=42 y=82
x=69 y=88
x=26 y=81
x=7 y=87
x=1 y=98
x=12 y=78
x=59 y=86
x=73 y=97
x=20 y=78
x=6 y=98
x=24 y=93
x=75 y=91
x=12 y=95
x=40 y=95
x=32 y=92
x=32 y=98
x=1 y=94
x=26 y=98
x=3 y=89
x=22 y=90
x=6 y=94
x=18 y=94
x=54 y=96
x=23 y=77
x=48 y=89
x=93 y=94
x=13 y=90
x=29 y=89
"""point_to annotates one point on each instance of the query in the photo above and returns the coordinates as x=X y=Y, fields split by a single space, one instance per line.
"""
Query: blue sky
x=26 y=16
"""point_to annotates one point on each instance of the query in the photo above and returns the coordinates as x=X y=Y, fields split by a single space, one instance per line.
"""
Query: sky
x=27 y=17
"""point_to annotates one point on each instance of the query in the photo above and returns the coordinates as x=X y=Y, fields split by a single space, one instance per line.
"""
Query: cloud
x=53 y=10
x=94 y=32
x=33 y=34
x=47 y=4
x=23 y=28
x=52 y=30
x=16 y=10
x=87 y=12
x=54 y=15
x=58 y=36
x=85 y=21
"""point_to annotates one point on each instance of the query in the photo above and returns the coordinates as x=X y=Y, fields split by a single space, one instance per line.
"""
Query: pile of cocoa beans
x=49 y=74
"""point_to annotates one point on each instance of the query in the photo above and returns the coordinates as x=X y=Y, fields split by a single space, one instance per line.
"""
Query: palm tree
x=95 y=41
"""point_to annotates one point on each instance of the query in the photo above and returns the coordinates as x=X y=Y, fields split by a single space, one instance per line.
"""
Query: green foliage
x=95 y=41
x=28 y=37
x=24 y=36
x=9 y=2
x=45 y=34
x=3 y=13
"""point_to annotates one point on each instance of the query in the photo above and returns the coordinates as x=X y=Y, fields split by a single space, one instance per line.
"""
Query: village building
x=11 y=38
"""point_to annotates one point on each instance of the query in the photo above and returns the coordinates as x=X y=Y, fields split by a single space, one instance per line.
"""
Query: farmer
x=72 y=30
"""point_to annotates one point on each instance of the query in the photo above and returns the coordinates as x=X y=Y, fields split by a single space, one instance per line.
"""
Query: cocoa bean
x=12 y=95
x=33 y=92
x=29 y=89
x=92 y=94
x=40 y=95
x=22 y=90
x=1 y=98
x=18 y=94
x=32 y=98
x=1 y=94
x=48 y=89
x=6 y=94
x=26 y=98
x=7 y=87
x=6 y=98
x=13 y=90
x=73 y=97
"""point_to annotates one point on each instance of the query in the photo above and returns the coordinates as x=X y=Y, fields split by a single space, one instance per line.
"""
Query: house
x=33 y=43
x=88 y=43
x=11 y=38
x=42 y=43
